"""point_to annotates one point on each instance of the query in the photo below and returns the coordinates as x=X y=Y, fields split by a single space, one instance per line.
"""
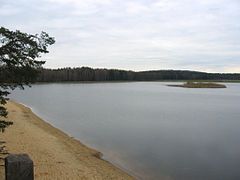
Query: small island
x=191 y=84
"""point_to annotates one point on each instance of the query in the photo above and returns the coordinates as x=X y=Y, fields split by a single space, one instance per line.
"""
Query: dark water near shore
x=152 y=130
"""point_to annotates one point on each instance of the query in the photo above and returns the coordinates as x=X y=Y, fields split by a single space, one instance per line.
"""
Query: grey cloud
x=133 y=34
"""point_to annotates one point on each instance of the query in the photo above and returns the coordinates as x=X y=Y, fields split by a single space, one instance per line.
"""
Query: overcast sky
x=133 y=34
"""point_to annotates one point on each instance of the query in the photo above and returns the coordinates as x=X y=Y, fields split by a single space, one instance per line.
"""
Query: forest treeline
x=90 y=74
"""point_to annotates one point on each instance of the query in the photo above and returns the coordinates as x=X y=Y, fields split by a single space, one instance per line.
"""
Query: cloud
x=8 y=10
x=133 y=34
x=136 y=7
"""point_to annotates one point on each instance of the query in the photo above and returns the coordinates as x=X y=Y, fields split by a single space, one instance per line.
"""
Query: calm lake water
x=147 y=128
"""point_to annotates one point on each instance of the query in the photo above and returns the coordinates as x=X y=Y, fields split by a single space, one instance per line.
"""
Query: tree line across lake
x=90 y=74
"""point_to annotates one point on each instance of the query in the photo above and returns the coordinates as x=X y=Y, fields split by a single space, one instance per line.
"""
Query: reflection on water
x=148 y=128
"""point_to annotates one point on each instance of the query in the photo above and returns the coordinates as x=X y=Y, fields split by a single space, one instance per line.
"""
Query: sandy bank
x=55 y=154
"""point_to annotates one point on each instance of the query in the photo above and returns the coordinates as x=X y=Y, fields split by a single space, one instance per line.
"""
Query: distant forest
x=90 y=74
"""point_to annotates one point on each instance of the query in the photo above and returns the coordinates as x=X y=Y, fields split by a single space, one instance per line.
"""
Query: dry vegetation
x=200 y=85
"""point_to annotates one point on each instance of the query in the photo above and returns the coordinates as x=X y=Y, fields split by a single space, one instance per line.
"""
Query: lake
x=147 y=128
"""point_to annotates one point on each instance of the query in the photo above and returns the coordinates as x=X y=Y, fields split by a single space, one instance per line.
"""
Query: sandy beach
x=55 y=154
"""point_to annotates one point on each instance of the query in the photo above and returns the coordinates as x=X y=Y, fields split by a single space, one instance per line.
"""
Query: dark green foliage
x=89 y=74
x=18 y=64
x=83 y=74
x=4 y=124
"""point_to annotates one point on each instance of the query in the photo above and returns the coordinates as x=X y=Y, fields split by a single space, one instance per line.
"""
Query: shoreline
x=55 y=154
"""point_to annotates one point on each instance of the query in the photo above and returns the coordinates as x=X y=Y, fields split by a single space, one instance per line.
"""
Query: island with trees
x=192 y=84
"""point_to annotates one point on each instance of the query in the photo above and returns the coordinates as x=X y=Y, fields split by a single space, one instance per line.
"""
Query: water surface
x=147 y=128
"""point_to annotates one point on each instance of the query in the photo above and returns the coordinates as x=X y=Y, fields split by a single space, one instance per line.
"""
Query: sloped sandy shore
x=55 y=154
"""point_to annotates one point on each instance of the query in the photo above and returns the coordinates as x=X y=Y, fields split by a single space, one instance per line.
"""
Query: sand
x=54 y=153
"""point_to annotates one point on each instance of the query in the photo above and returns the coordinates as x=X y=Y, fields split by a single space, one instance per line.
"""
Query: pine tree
x=18 y=64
